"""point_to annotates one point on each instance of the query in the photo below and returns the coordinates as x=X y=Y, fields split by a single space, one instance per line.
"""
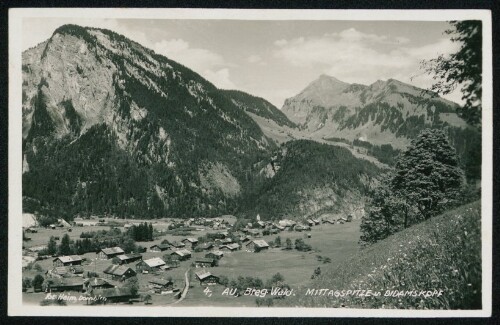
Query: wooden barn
x=257 y=245
x=217 y=255
x=177 y=245
x=97 y=283
x=160 y=285
x=109 y=253
x=67 y=260
x=64 y=284
x=119 y=272
x=159 y=248
x=204 y=262
x=129 y=258
x=190 y=243
x=149 y=265
x=113 y=295
x=181 y=255
x=229 y=247
x=206 y=246
x=207 y=278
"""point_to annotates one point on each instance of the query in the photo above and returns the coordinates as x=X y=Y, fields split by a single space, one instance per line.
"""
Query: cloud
x=220 y=78
x=210 y=65
x=254 y=58
x=354 y=56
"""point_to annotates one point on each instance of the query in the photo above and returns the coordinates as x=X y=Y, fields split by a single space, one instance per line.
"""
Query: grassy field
x=337 y=242
x=443 y=253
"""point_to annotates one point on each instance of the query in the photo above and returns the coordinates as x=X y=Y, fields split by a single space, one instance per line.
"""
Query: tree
x=288 y=243
x=277 y=278
x=37 y=281
x=462 y=68
x=64 y=247
x=133 y=284
x=51 y=246
x=428 y=176
x=426 y=181
x=277 y=241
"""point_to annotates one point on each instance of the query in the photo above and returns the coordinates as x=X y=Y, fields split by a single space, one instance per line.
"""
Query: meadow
x=440 y=254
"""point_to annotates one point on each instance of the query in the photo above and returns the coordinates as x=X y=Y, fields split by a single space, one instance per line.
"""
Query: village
x=176 y=260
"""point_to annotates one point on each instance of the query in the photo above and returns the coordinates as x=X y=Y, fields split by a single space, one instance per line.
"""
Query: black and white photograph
x=203 y=162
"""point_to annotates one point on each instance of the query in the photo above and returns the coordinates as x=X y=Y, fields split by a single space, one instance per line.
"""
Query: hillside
x=384 y=113
x=305 y=178
x=112 y=127
x=259 y=106
x=443 y=253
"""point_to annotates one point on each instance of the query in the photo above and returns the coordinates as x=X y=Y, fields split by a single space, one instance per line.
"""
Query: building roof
x=177 y=244
x=69 y=258
x=112 y=250
x=259 y=243
x=206 y=245
x=191 y=240
x=232 y=246
x=125 y=257
x=217 y=253
x=162 y=282
x=97 y=282
x=67 y=282
x=118 y=270
x=154 y=262
x=60 y=270
x=77 y=269
x=182 y=252
x=161 y=246
x=203 y=274
x=204 y=260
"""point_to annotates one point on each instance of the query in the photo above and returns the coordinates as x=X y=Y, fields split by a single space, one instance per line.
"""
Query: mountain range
x=384 y=112
x=111 y=127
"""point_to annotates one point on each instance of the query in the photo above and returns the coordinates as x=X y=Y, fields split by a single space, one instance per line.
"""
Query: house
x=176 y=244
x=254 y=232
x=226 y=241
x=57 y=272
x=216 y=255
x=160 y=285
x=310 y=222
x=159 y=248
x=204 y=262
x=67 y=260
x=257 y=245
x=152 y=264
x=181 y=254
x=119 y=272
x=190 y=242
x=206 y=278
x=245 y=239
x=113 y=295
x=108 y=253
x=261 y=224
x=229 y=247
x=223 y=234
x=206 y=246
x=316 y=221
x=97 y=283
x=76 y=270
x=129 y=258
x=64 y=284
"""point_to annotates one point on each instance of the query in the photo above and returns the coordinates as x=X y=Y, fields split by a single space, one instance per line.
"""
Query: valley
x=145 y=184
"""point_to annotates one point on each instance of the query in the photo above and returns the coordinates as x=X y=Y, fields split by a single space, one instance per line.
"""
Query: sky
x=278 y=59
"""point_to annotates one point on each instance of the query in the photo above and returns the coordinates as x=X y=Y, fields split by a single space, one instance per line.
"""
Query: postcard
x=223 y=162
